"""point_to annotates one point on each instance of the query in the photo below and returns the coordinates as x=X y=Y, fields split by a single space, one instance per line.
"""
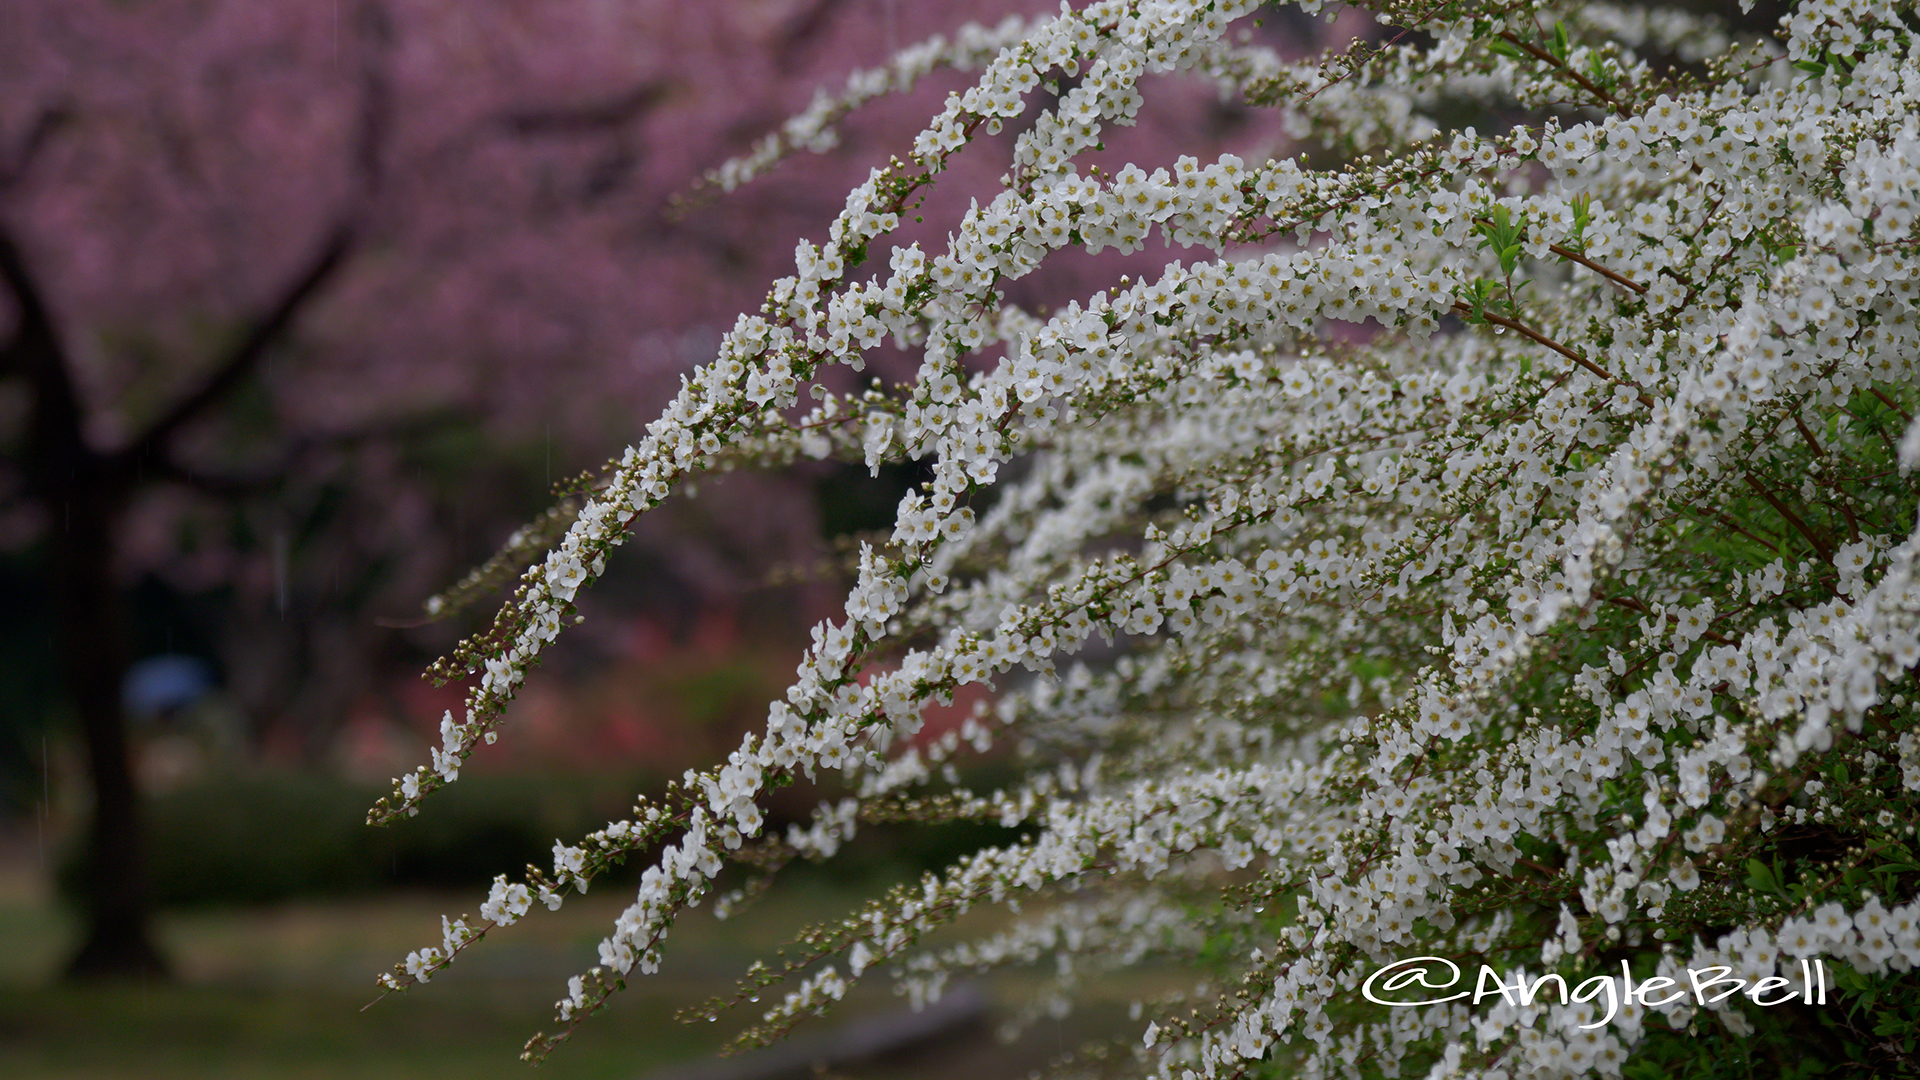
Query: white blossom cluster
x=1499 y=546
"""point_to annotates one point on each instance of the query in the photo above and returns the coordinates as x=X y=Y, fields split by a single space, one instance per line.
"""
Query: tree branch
x=1531 y=334
x=276 y=321
x=1888 y=402
x=261 y=480
x=56 y=437
x=50 y=120
x=241 y=361
x=1819 y=546
x=1574 y=256
x=376 y=98
x=233 y=485
x=1812 y=443
x=804 y=29
x=1538 y=53
x=590 y=118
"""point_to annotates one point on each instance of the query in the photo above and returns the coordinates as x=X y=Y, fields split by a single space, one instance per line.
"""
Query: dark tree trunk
x=84 y=493
x=119 y=940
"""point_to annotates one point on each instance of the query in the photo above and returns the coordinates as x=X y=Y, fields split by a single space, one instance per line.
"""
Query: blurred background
x=304 y=308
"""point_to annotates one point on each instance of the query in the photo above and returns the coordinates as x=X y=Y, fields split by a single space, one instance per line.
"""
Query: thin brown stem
x=1793 y=519
x=1812 y=443
x=1706 y=217
x=1631 y=604
x=1574 y=256
x=1771 y=545
x=1534 y=335
x=1618 y=279
x=1888 y=402
x=1578 y=79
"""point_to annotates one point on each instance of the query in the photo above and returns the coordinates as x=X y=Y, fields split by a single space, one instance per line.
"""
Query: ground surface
x=279 y=993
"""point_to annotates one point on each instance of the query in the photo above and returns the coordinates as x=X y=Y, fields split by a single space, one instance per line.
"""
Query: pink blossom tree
x=243 y=247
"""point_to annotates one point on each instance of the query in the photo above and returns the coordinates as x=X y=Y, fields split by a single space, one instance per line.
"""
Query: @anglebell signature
x=1403 y=975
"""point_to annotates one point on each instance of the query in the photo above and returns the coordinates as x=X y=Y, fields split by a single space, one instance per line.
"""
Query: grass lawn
x=279 y=993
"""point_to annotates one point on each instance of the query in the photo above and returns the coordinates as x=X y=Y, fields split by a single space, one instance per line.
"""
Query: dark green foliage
x=269 y=837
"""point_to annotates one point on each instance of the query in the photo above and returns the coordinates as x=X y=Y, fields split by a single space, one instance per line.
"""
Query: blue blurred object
x=162 y=684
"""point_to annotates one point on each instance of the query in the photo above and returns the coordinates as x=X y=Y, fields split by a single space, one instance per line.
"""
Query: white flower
x=1684 y=876
x=1386 y=612
x=565 y=575
x=1831 y=923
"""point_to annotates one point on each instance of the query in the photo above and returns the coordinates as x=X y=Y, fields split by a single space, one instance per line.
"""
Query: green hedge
x=261 y=838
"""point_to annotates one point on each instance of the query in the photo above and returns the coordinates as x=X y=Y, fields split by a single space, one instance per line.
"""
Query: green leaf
x=1811 y=67
x=1506 y=48
x=1760 y=877
x=1478 y=296
x=1559 y=46
x=1490 y=230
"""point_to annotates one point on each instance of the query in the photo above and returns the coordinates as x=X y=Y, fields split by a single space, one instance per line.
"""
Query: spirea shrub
x=1498 y=548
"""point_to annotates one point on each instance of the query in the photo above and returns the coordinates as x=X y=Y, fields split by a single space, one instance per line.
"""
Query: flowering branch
x=1407 y=646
